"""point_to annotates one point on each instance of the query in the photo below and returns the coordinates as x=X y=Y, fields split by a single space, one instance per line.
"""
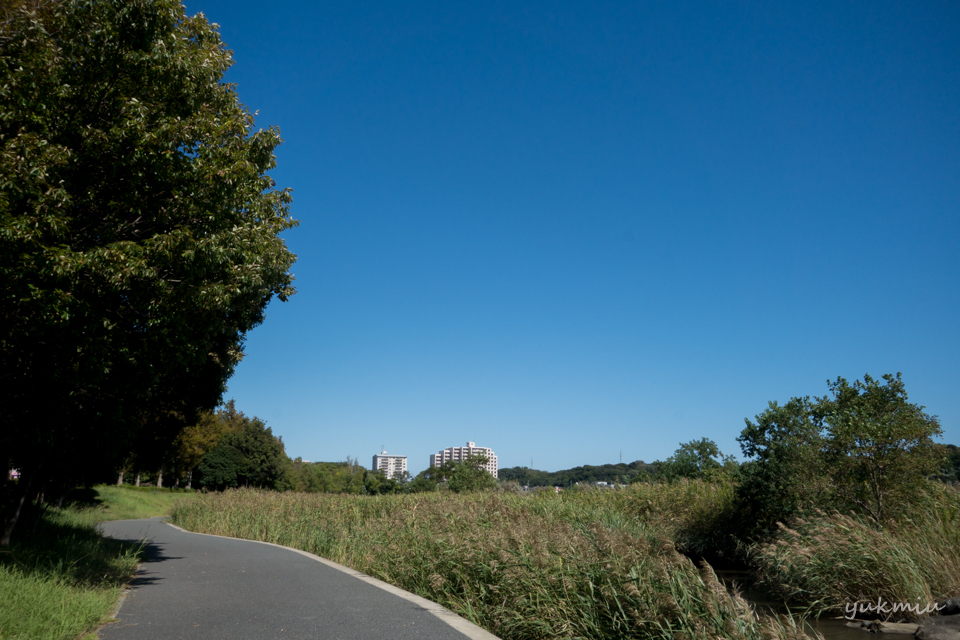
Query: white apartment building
x=391 y=466
x=459 y=454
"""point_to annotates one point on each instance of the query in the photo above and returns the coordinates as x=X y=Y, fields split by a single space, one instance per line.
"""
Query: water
x=836 y=629
x=829 y=628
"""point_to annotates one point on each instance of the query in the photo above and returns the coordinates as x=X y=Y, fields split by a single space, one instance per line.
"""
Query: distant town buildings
x=459 y=454
x=391 y=466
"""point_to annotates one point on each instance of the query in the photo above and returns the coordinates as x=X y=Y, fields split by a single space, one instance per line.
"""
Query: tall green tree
x=139 y=232
x=785 y=468
x=198 y=439
x=696 y=460
x=330 y=477
x=457 y=476
x=250 y=456
x=880 y=446
x=427 y=480
x=470 y=475
x=376 y=483
x=864 y=445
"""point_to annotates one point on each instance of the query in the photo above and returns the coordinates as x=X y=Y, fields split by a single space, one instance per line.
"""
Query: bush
x=864 y=447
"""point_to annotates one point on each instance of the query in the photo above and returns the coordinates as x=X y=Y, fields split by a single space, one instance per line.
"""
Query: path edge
x=452 y=619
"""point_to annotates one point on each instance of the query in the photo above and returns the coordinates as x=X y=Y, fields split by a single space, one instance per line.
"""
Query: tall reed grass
x=578 y=565
x=830 y=560
x=696 y=515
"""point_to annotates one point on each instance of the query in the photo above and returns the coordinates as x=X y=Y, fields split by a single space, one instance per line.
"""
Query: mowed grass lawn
x=129 y=503
x=63 y=579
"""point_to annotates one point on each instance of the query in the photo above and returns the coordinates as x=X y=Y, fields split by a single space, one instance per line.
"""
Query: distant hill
x=620 y=472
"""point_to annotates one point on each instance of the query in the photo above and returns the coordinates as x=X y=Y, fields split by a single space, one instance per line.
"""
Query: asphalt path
x=193 y=586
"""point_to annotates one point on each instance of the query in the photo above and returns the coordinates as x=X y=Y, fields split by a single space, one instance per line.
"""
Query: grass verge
x=62 y=579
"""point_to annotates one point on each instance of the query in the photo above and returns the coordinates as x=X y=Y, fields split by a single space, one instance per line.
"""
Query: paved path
x=193 y=586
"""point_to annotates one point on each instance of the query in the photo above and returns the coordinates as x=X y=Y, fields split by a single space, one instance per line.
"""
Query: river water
x=829 y=628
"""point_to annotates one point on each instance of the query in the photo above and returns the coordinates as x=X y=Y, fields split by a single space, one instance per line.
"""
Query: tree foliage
x=950 y=472
x=220 y=468
x=198 y=439
x=879 y=446
x=250 y=456
x=696 y=460
x=785 y=468
x=457 y=476
x=376 y=483
x=621 y=473
x=329 y=477
x=863 y=446
x=468 y=475
x=139 y=231
x=427 y=480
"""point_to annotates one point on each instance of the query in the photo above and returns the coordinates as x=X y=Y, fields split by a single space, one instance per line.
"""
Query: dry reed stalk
x=579 y=565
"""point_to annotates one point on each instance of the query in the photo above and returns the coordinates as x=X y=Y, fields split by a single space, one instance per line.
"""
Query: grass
x=63 y=579
x=695 y=515
x=129 y=503
x=578 y=565
x=830 y=560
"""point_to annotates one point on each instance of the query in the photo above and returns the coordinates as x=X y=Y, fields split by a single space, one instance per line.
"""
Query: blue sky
x=565 y=230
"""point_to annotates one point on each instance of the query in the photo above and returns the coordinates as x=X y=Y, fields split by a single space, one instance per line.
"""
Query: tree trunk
x=12 y=521
x=137 y=483
x=40 y=511
x=160 y=478
x=120 y=479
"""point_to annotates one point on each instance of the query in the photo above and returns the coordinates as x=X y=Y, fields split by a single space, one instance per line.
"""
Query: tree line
x=621 y=473
x=139 y=236
x=226 y=449
x=863 y=446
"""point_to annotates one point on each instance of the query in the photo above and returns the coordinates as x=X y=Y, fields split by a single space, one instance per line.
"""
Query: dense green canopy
x=865 y=446
x=139 y=232
x=250 y=456
x=621 y=473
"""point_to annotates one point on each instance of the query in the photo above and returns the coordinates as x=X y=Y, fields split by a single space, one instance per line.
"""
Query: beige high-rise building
x=391 y=466
x=459 y=454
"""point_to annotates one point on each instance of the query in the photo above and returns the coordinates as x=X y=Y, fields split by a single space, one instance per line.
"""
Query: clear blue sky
x=567 y=229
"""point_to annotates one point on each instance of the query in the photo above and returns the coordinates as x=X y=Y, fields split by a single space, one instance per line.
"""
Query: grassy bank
x=62 y=579
x=592 y=564
x=827 y=560
x=128 y=503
